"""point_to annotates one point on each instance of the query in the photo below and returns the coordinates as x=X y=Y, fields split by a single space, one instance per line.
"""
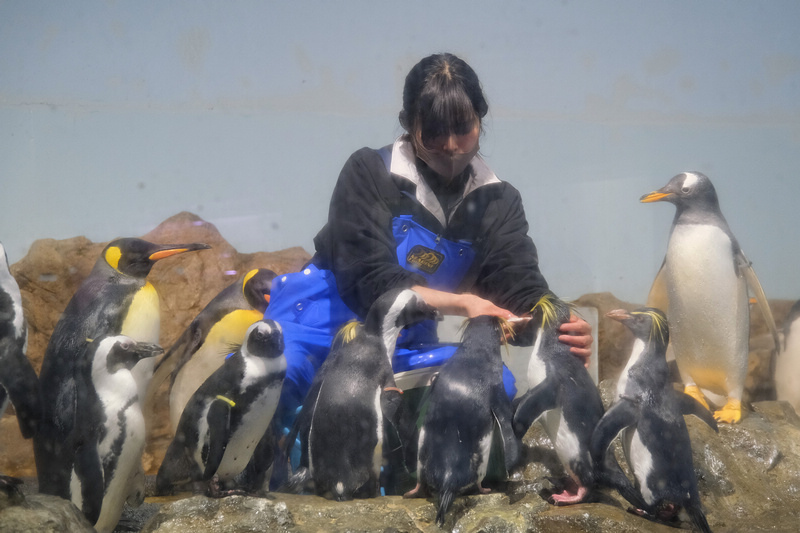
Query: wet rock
x=40 y=513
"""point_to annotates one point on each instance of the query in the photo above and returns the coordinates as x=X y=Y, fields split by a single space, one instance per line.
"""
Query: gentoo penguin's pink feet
x=413 y=493
x=483 y=490
x=572 y=494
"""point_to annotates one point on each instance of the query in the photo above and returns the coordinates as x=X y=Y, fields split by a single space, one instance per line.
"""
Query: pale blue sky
x=117 y=115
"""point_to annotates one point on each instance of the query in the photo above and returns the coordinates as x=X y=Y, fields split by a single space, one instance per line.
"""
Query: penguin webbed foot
x=731 y=412
x=417 y=492
x=570 y=492
x=216 y=489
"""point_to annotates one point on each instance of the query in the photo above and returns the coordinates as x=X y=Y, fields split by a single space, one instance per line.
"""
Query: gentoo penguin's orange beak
x=171 y=250
x=266 y=298
x=654 y=196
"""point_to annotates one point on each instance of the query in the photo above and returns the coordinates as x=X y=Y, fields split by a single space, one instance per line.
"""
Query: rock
x=40 y=513
x=53 y=270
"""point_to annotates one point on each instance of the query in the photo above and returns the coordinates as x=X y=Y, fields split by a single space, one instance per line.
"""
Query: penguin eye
x=685 y=189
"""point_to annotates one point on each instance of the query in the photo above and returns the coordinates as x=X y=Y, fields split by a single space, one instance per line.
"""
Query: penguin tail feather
x=445 y=501
x=698 y=518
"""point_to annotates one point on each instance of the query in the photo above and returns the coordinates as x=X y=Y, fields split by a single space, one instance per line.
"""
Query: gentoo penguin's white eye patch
x=688 y=182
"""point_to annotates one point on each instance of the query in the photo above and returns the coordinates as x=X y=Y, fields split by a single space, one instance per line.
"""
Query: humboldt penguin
x=18 y=381
x=563 y=394
x=466 y=402
x=787 y=376
x=115 y=299
x=228 y=415
x=702 y=286
x=649 y=412
x=217 y=331
x=352 y=396
x=110 y=430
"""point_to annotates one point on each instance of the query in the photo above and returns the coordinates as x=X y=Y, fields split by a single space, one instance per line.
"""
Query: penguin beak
x=654 y=196
x=146 y=349
x=620 y=315
x=266 y=298
x=173 y=249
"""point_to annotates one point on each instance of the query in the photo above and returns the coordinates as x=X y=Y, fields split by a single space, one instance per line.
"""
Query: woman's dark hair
x=442 y=95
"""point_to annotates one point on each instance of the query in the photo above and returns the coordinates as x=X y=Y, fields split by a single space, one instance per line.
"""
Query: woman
x=425 y=213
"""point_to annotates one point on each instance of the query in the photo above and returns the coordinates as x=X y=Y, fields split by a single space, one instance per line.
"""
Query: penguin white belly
x=787 y=372
x=143 y=324
x=636 y=352
x=565 y=442
x=537 y=371
x=243 y=441
x=708 y=309
x=641 y=461
x=377 y=454
x=118 y=488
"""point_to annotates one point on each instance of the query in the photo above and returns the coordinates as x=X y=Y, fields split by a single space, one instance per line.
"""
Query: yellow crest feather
x=347 y=332
x=549 y=304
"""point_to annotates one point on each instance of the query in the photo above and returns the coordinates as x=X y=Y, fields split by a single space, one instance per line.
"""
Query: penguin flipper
x=22 y=386
x=658 y=296
x=501 y=410
x=622 y=414
x=219 y=423
x=89 y=470
x=533 y=403
x=746 y=268
x=688 y=405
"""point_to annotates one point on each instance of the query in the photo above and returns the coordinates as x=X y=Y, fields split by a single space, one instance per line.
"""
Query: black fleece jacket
x=358 y=246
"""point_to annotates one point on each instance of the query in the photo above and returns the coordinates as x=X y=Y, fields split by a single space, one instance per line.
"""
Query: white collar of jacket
x=404 y=165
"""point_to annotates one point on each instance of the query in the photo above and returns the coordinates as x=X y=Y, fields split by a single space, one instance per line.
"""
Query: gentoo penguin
x=787 y=375
x=649 y=412
x=341 y=423
x=562 y=392
x=18 y=381
x=115 y=299
x=466 y=401
x=228 y=415
x=111 y=430
x=702 y=286
x=217 y=331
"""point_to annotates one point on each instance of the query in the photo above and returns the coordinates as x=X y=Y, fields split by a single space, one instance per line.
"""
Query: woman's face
x=449 y=155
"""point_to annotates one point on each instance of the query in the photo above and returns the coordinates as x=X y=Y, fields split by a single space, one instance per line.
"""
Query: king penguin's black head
x=686 y=190
x=135 y=257
x=647 y=323
x=256 y=287
x=264 y=339
x=124 y=352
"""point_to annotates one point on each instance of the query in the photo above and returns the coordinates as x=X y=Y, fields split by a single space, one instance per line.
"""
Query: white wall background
x=115 y=115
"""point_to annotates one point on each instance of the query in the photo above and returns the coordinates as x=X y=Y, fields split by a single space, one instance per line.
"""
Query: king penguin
x=18 y=381
x=115 y=299
x=341 y=423
x=562 y=392
x=649 y=413
x=228 y=415
x=702 y=286
x=466 y=402
x=111 y=432
x=217 y=331
x=787 y=375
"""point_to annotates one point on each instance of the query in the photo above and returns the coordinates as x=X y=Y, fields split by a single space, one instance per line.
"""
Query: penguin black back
x=465 y=402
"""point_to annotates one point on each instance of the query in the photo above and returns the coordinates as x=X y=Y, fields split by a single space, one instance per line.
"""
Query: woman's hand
x=577 y=334
x=468 y=305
